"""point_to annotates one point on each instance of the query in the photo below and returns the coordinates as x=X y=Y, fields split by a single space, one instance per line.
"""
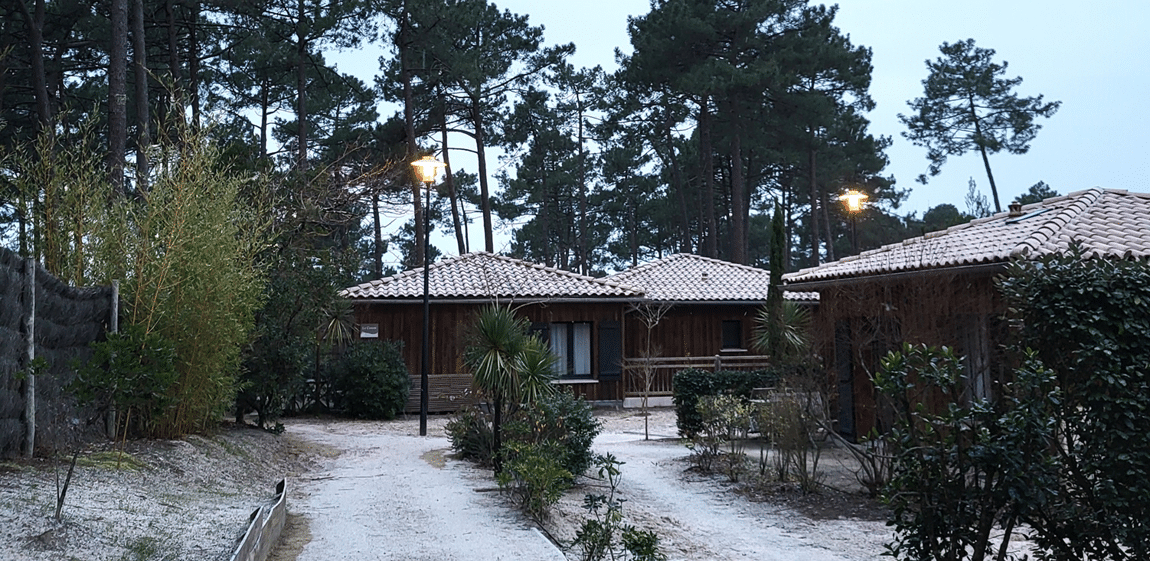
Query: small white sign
x=369 y=331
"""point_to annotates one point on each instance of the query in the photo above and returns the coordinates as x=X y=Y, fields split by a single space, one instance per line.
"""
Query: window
x=571 y=342
x=732 y=334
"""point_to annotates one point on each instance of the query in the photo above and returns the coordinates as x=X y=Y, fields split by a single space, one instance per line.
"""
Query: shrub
x=691 y=384
x=131 y=372
x=726 y=422
x=604 y=535
x=371 y=380
x=561 y=418
x=471 y=435
x=534 y=476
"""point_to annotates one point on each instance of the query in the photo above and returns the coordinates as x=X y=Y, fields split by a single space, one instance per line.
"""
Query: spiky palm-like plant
x=495 y=354
x=785 y=337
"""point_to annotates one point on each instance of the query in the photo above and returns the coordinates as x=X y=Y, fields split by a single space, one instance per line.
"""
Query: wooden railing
x=663 y=369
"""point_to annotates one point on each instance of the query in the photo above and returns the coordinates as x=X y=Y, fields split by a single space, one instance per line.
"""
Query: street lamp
x=854 y=201
x=428 y=169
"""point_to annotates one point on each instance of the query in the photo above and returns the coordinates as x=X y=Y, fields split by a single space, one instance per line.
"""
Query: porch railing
x=663 y=369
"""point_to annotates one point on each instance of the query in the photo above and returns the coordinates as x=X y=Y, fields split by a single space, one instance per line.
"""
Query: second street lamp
x=428 y=168
x=854 y=200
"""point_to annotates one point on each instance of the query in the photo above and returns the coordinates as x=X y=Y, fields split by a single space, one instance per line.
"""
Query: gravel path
x=391 y=494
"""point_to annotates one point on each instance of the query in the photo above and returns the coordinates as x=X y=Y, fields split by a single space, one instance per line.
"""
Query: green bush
x=131 y=372
x=371 y=380
x=534 y=476
x=1088 y=319
x=471 y=435
x=561 y=418
x=692 y=384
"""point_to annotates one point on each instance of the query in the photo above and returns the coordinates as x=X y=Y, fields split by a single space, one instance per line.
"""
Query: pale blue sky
x=1091 y=56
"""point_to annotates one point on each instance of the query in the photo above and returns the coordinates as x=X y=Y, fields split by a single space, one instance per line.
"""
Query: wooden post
x=30 y=344
x=718 y=363
x=113 y=327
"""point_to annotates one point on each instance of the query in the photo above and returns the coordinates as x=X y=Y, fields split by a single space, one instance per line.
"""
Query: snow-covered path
x=395 y=497
x=388 y=494
x=700 y=519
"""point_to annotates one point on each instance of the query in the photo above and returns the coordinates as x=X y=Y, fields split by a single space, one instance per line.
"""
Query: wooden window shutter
x=610 y=350
x=542 y=330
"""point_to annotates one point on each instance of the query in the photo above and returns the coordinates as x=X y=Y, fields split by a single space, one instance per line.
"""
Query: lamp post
x=854 y=201
x=428 y=168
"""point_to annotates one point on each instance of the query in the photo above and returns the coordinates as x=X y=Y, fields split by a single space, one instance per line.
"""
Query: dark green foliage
x=968 y=104
x=1036 y=193
x=959 y=467
x=1089 y=319
x=371 y=380
x=604 y=535
x=471 y=435
x=131 y=372
x=692 y=384
x=534 y=476
x=562 y=419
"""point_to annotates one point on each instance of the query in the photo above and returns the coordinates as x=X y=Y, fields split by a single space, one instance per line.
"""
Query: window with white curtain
x=571 y=343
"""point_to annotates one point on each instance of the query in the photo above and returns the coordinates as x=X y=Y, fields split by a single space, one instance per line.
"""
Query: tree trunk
x=301 y=88
x=986 y=164
x=377 y=231
x=581 y=239
x=409 y=131
x=174 y=62
x=118 y=95
x=484 y=193
x=739 y=202
x=678 y=183
x=825 y=202
x=194 y=64
x=449 y=181
x=35 y=23
x=815 y=199
x=711 y=238
x=143 y=122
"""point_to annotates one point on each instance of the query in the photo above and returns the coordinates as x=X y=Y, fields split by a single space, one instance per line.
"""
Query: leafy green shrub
x=131 y=372
x=371 y=380
x=534 y=476
x=471 y=435
x=604 y=535
x=692 y=384
x=561 y=418
x=726 y=422
x=1088 y=319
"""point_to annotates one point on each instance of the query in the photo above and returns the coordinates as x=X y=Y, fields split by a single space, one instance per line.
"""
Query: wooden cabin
x=698 y=312
x=581 y=316
x=938 y=289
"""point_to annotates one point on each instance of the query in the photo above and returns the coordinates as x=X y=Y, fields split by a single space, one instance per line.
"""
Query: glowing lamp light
x=428 y=168
x=854 y=200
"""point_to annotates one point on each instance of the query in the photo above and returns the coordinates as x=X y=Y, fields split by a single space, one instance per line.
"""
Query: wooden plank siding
x=448 y=377
x=860 y=322
x=690 y=330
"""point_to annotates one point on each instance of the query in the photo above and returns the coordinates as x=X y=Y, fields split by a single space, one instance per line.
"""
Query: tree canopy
x=969 y=104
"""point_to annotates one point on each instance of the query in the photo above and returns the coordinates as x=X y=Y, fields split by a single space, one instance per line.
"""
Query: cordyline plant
x=508 y=365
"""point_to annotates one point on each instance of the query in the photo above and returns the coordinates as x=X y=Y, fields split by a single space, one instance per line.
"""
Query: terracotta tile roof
x=684 y=277
x=482 y=275
x=1112 y=223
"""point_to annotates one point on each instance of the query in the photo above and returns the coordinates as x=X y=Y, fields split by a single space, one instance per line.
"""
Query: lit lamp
x=428 y=169
x=854 y=201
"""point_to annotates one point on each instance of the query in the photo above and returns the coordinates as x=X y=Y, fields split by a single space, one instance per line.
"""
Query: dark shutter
x=610 y=350
x=542 y=331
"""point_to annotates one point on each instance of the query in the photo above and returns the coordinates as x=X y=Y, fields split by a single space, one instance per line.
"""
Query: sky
x=1091 y=56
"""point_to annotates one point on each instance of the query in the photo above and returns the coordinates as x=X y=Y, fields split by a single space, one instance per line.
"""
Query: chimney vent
x=1015 y=210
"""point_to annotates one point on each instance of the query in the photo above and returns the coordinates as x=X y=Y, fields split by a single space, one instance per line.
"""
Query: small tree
x=499 y=352
x=967 y=104
x=650 y=313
